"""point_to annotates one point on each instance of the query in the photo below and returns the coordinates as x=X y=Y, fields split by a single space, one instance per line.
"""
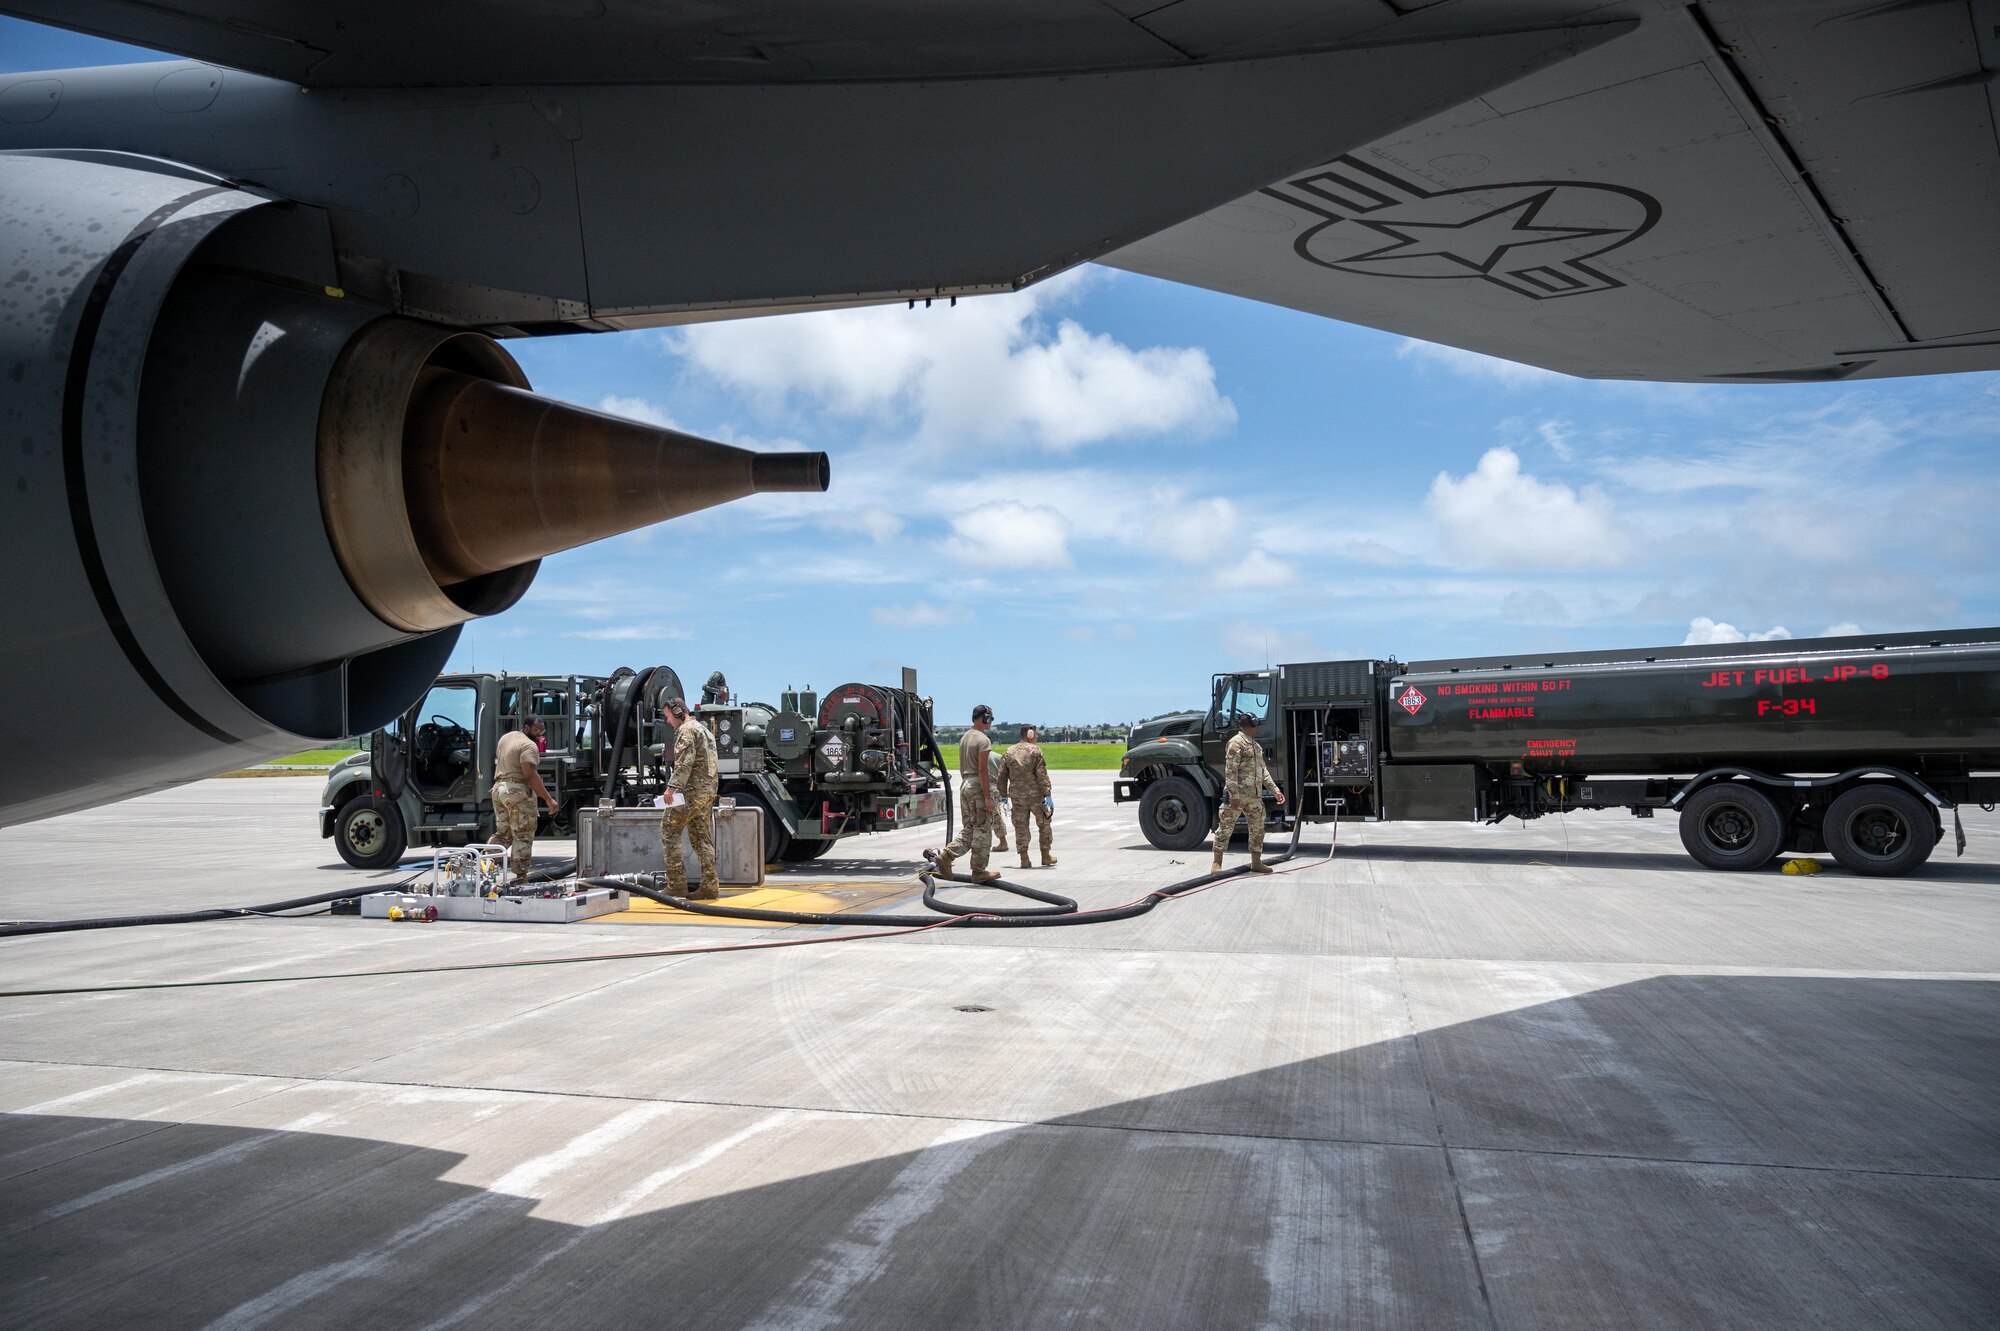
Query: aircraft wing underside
x=1743 y=191
x=1736 y=189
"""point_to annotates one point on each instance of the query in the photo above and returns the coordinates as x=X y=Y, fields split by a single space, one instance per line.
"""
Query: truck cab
x=1319 y=729
x=427 y=779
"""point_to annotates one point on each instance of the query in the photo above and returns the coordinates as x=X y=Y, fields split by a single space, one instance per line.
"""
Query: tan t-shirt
x=973 y=747
x=508 y=755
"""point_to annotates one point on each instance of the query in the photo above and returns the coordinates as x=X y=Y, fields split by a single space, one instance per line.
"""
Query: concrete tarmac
x=1552 y=1076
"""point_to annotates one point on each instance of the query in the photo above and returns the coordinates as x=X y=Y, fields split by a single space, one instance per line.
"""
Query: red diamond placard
x=1412 y=700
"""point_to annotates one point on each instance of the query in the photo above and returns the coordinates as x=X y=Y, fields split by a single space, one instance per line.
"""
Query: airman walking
x=695 y=780
x=1025 y=785
x=978 y=801
x=1244 y=779
x=517 y=779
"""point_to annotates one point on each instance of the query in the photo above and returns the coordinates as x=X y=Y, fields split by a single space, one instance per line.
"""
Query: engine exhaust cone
x=495 y=476
x=443 y=480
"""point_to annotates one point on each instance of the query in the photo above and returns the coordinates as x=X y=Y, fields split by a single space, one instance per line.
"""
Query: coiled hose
x=1059 y=910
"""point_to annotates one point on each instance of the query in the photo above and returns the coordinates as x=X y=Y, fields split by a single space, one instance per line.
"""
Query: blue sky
x=1076 y=502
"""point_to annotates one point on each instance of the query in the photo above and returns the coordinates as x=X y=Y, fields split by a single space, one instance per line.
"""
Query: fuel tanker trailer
x=1854 y=745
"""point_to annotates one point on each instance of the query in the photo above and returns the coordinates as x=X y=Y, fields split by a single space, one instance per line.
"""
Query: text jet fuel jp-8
x=1855 y=745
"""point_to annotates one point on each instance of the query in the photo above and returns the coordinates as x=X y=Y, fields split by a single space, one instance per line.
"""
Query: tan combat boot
x=985 y=876
x=941 y=863
x=706 y=893
x=1257 y=864
x=1024 y=859
x=1048 y=860
x=1215 y=865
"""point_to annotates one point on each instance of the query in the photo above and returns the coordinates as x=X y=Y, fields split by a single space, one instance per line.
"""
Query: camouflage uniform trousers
x=514 y=824
x=696 y=819
x=1251 y=807
x=975 y=825
x=1044 y=823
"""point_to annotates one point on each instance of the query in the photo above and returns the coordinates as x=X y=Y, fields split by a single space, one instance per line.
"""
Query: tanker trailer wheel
x=803 y=849
x=1732 y=825
x=369 y=832
x=1173 y=814
x=1880 y=830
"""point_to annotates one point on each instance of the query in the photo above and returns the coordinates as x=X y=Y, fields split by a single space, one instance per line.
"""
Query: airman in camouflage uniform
x=1025 y=784
x=517 y=780
x=978 y=803
x=1244 y=779
x=694 y=777
x=996 y=771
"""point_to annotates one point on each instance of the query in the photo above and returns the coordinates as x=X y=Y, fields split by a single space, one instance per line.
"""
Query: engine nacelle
x=244 y=513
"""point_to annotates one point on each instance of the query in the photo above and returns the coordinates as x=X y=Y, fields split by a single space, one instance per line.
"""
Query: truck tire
x=369 y=832
x=803 y=849
x=1880 y=830
x=1732 y=825
x=1174 y=815
x=777 y=841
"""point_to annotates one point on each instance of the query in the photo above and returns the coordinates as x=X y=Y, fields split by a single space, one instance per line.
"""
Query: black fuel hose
x=645 y=885
x=17 y=928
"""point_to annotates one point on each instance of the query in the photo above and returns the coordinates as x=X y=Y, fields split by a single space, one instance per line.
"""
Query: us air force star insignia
x=1531 y=237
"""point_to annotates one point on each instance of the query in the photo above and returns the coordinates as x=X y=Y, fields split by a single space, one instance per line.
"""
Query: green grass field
x=315 y=758
x=1064 y=757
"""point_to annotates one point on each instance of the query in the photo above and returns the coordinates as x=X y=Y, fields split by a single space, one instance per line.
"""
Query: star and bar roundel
x=1532 y=237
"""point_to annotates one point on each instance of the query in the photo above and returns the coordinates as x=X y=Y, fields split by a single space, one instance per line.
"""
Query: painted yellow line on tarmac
x=820 y=898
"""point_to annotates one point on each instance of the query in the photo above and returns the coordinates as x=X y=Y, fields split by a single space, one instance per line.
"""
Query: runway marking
x=860 y=1255
x=521 y=1180
x=222 y=1155
x=78 y=1097
x=625 y=1203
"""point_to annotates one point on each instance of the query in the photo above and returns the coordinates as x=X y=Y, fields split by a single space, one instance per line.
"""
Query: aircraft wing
x=1743 y=189
x=1738 y=191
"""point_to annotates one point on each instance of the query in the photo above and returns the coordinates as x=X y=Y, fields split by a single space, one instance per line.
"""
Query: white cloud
x=1254 y=571
x=1558 y=436
x=1010 y=536
x=633 y=633
x=990 y=369
x=919 y=615
x=637 y=409
x=1706 y=632
x=1475 y=365
x=1249 y=643
x=1845 y=629
x=1498 y=515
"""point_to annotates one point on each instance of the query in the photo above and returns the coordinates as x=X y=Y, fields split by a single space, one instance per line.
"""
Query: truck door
x=1247 y=694
x=389 y=752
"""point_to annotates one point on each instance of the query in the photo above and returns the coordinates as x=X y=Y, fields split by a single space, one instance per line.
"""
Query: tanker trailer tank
x=1932 y=710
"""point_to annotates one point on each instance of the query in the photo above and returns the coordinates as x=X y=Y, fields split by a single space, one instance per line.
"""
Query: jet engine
x=246 y=511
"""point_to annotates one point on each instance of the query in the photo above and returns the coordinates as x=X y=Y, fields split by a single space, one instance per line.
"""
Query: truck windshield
x=1253 y=696
x=454 y=703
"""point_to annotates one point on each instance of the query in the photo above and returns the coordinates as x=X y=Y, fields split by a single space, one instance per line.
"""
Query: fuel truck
x=861 y=758
x=1854 y=745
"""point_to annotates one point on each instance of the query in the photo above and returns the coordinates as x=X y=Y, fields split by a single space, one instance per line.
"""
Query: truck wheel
x=1173 y=814
x=1880 y=830
x=802 y=850
x=777 y=841
x=1732 y=825
x=369 y=832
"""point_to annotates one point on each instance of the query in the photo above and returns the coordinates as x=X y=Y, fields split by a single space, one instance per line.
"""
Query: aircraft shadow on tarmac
x=1680 y=1151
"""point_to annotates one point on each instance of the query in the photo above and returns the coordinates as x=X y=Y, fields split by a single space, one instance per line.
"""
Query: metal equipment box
x=565 y=909
x=612 y=841
x=1441 y=792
